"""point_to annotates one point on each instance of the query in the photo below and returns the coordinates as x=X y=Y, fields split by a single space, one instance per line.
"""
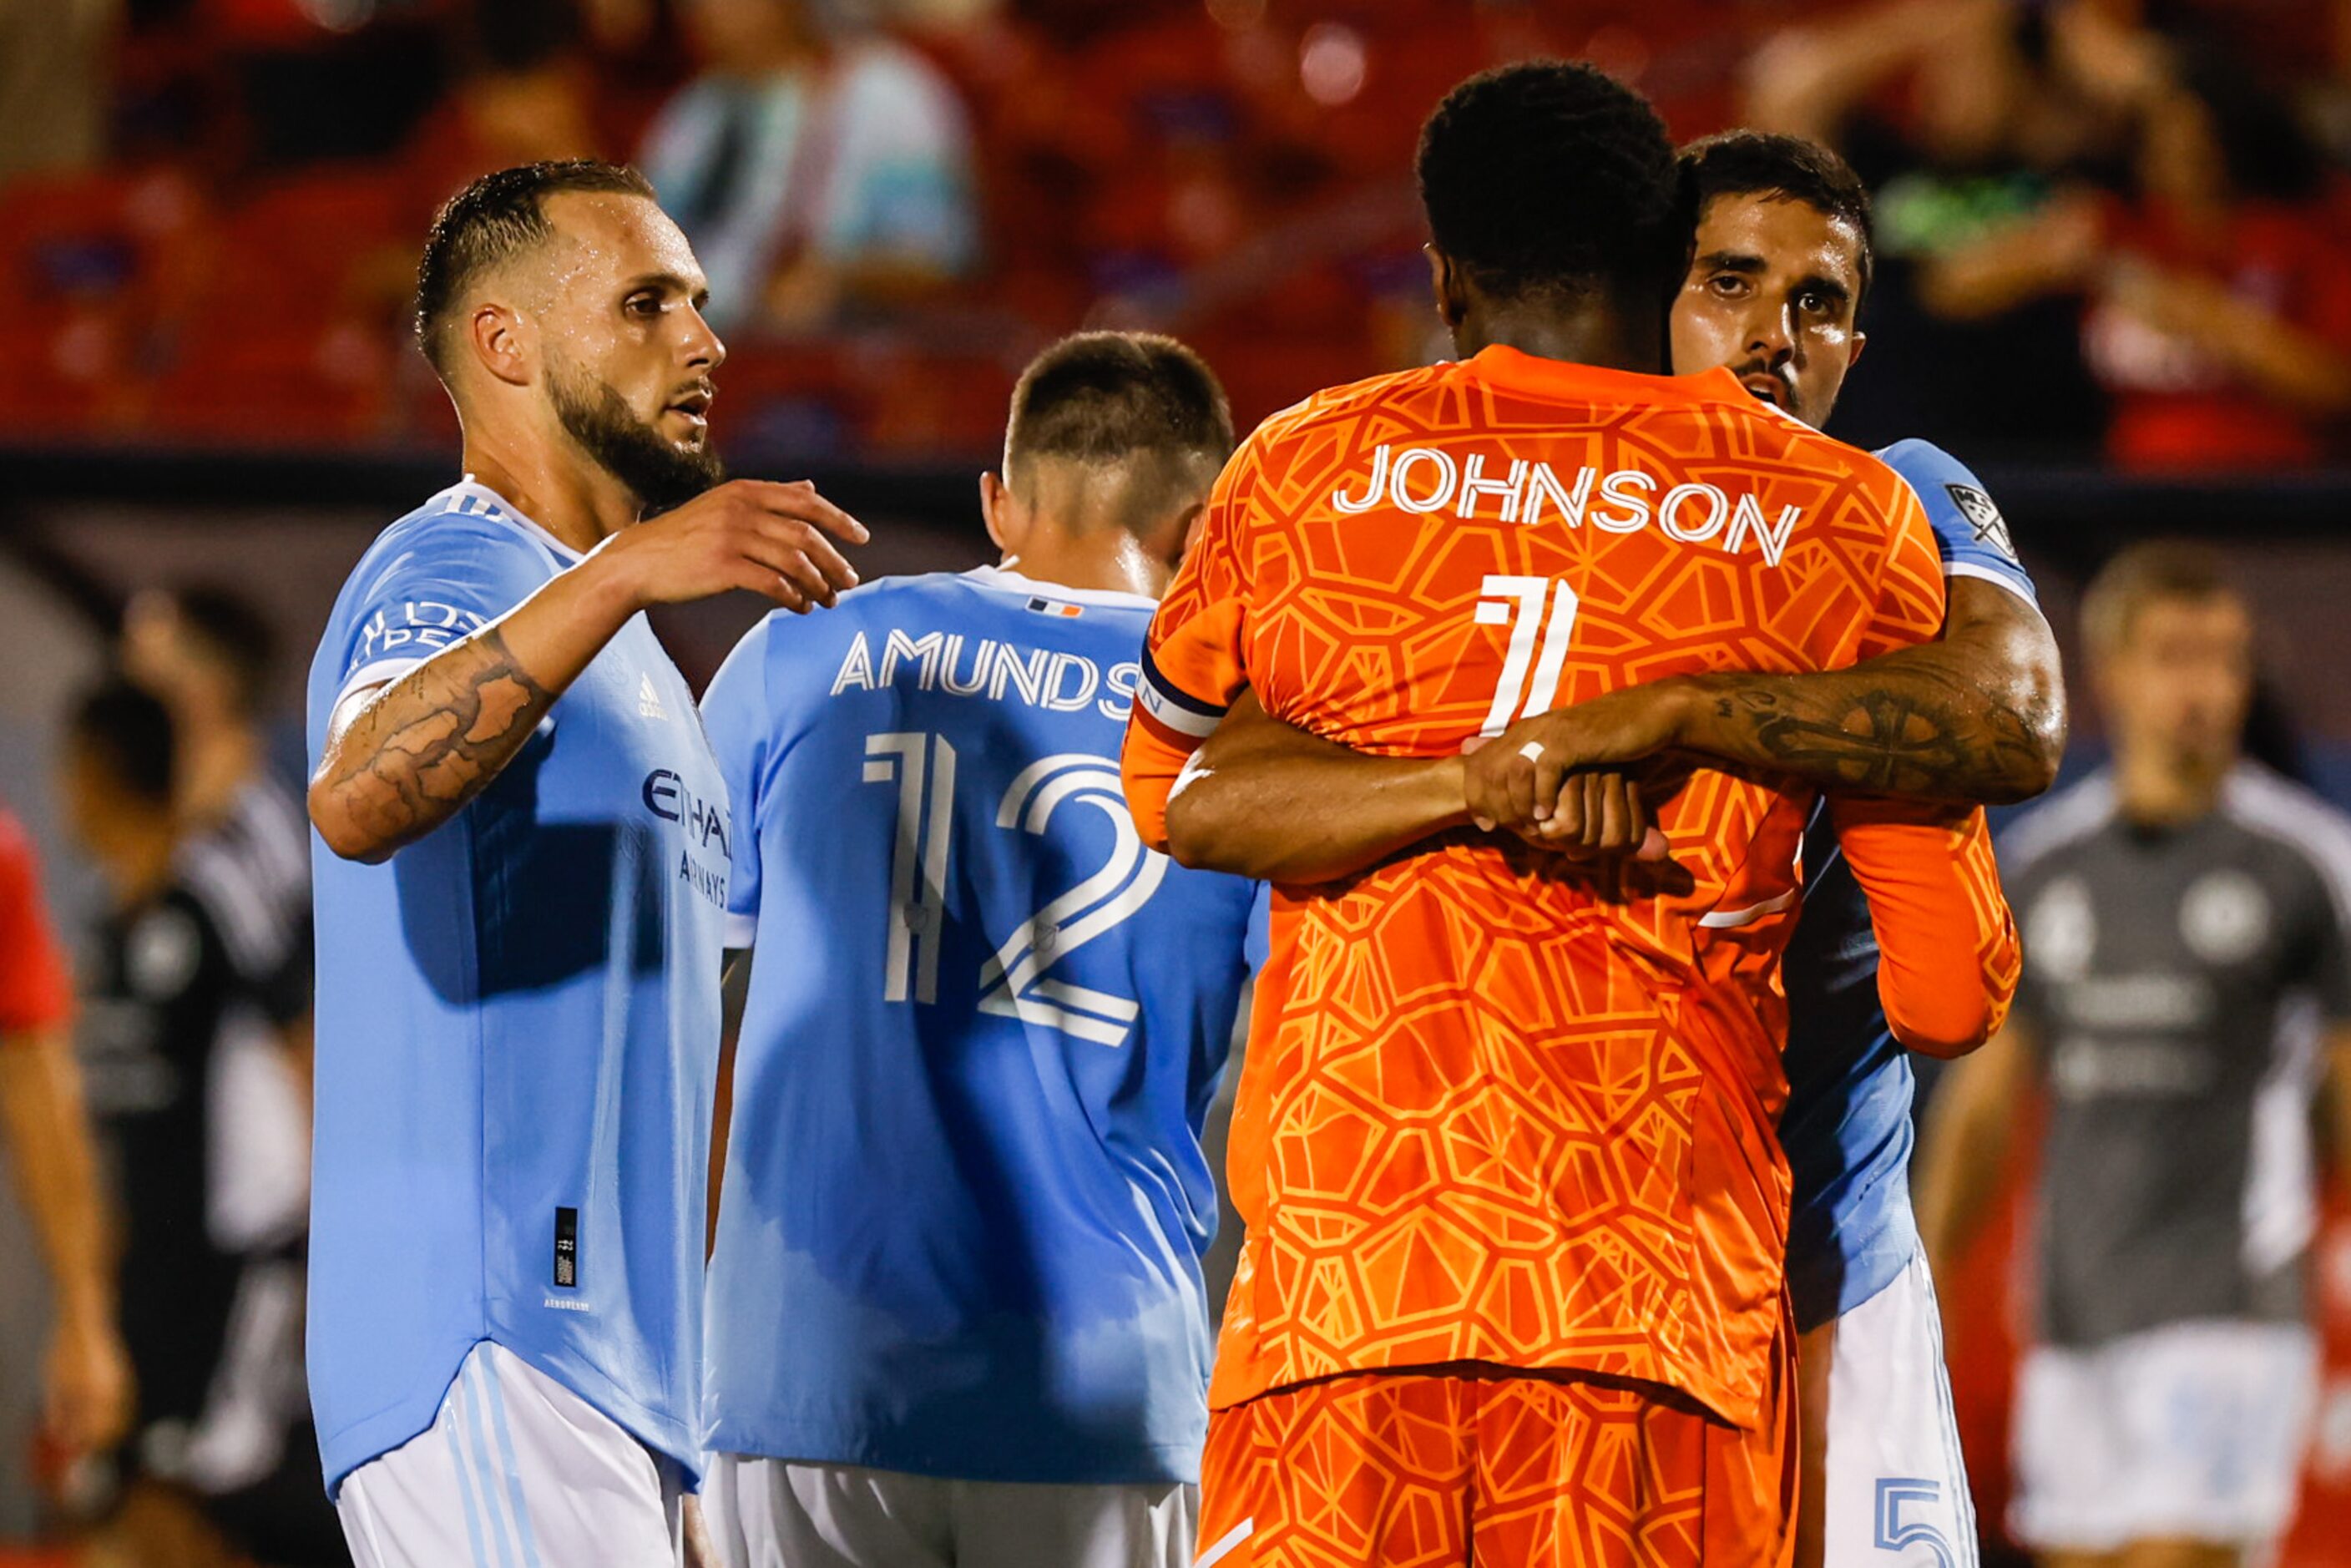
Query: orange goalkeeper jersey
x=1488 y=1114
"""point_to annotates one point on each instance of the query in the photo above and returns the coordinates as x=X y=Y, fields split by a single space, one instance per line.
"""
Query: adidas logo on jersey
x=649 y=701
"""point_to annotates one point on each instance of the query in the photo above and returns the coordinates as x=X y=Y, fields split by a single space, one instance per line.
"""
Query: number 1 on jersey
x=1537 y=644
x=923 y=767
x=1016 y=981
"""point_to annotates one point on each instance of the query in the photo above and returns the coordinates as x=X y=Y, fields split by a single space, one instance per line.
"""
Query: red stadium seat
x=104 y=253
x=244 y=385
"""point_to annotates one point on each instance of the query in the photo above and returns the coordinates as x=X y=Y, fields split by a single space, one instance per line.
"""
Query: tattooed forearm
x=1914 y=733
x=414 y=756
x=1918 y=723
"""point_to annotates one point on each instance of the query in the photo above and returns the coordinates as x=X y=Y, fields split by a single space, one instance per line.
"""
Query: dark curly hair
x=1548 y=176
x=1763 y=163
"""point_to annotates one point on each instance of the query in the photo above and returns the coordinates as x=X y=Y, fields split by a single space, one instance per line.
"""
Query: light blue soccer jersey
x=1846 y=1127
x=518 y=1027
x=965 y=1199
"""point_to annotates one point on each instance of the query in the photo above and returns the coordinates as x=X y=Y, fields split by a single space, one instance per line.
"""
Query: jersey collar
x=1013 y=582
x=470 y=497
x=1507 y=366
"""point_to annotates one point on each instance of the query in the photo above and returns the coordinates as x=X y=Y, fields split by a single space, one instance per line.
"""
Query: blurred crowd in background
x=2107 y=226
x=2107 y=235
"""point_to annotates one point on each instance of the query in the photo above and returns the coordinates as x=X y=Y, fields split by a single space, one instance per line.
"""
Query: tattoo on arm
x=1921 y=730
x=414 y=757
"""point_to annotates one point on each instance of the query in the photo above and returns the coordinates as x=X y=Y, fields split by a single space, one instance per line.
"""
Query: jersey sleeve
x=740 y=721
x=1970 y=532
x=1948 y=956
x=1193 y=665
x=1910 y=605
x=268 y=949
x=769 y=693
x=2328 y=973
x=444 y=580
x=35 y=990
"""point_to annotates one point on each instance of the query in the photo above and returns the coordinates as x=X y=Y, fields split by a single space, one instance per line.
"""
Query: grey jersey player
x=2187 y=924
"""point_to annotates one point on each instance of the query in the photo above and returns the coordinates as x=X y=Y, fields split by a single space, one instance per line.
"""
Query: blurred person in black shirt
x=209 y=1147
x=1971 y=120
x=2096 y=235
x=208 y=653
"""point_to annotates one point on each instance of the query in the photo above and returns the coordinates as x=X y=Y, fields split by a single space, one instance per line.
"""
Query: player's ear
x=996 y=505
x=1188 y=526
x=1859 y=341
x=502 y=342
x=1445 y=282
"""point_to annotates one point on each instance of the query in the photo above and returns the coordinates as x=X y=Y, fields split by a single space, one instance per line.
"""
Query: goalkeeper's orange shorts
x=1491 y=1466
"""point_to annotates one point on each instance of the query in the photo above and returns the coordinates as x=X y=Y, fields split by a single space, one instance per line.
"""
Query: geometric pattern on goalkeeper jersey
x=1407 y=1470
x=1488 y=1114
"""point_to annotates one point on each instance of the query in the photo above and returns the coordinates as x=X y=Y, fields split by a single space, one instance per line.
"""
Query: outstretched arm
x=403 y=757
x=1976 y=717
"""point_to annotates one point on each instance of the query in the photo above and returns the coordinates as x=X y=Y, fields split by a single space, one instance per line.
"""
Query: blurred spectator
x=210 y=1153
x=1968 y=120
x=53 y=83
x=2218 y=321
x=2187 y=918
x=525 y=94
x=87 y=1392
x=208 y=654
x=814 y=163
x=326 y=79
x=2086 y=222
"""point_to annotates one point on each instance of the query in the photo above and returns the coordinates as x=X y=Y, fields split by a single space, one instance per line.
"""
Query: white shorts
x=2194 y=1431
x=774 y=1514
x=1883 y=1471
x=516 y=1471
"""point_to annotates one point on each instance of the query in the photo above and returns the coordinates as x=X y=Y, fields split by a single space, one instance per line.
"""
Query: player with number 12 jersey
x=974 y=943
x=965 y=1199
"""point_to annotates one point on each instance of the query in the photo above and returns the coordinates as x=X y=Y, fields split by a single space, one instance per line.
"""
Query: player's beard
x=659 y=471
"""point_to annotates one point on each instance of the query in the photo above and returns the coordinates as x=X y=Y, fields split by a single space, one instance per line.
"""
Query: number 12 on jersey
x=1015 y=981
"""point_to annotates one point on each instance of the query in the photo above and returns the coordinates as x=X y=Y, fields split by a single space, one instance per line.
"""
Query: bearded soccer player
x=1780 y=263
x=1513 y=1287
x=519 y=919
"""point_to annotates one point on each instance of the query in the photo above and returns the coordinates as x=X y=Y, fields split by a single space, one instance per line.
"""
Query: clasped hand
x=1557 y=781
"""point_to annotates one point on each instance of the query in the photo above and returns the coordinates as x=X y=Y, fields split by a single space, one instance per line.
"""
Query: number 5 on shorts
x=1893 y=1535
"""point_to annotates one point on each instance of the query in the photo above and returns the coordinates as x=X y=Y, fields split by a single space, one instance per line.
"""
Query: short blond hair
x=2142 y=574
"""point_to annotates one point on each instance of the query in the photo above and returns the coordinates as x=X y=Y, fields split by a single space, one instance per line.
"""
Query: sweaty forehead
x=604 y=239
x=1787 y=234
